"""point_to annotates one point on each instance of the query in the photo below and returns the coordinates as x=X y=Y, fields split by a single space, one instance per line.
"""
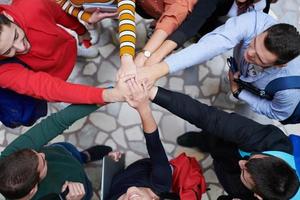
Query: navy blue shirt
x=154 y=172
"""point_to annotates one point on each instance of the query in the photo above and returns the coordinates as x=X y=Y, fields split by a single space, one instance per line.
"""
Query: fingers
x=76 y=191
x=64 y=187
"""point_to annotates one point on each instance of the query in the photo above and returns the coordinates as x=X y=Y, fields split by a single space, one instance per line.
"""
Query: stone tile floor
x=118 y=125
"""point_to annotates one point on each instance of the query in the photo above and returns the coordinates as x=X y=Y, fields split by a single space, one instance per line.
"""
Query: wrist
x=237 y=92
x=111 y=95
x=153 y=92
x=144 y=109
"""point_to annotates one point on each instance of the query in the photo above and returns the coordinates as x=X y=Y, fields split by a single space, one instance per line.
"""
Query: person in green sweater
x=31 y=169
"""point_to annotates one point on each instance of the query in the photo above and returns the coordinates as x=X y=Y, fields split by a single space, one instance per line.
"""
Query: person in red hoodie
x=30 y=31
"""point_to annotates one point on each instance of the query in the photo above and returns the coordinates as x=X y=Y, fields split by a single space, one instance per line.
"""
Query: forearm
x=55 y=124
x=127 y=30
x=148 y=122
x=156 y=40
x=165 y=49
x=229 y=126
x=280 y=108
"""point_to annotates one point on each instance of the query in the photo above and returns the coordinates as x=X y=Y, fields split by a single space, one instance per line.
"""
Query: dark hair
x=18 y=174
x=4 y=21
x=283 y=40
x=273 y=178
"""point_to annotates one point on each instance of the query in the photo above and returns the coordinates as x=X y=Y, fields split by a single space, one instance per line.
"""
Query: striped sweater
x=126 y=9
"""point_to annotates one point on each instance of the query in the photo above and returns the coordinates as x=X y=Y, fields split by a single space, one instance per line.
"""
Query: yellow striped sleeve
x=69 y=8
x=127 y=33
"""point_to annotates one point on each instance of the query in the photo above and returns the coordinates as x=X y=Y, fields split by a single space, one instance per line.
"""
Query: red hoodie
x=52 y=55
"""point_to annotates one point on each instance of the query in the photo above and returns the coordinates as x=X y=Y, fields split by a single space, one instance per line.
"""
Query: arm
x=161 y=175
x=247 y=134
x=174 y=14
x=189 y=28
x=63 y=18
x=280 y=108
x=44 y=86
x=43 y=132
x=79 y=13
x=220 y=40
x=127 y=36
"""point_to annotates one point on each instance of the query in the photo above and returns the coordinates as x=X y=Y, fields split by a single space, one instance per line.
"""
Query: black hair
x=283 y=40
x=18 y=174
x=273 y=178
x=4 y=21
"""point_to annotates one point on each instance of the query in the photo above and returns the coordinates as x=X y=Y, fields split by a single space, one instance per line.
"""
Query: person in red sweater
x=30 y=31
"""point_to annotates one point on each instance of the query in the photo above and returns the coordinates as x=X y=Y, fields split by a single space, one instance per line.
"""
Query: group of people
x=251 y=160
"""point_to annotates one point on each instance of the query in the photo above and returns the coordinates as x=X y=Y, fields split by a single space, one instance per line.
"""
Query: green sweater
x=61 y=165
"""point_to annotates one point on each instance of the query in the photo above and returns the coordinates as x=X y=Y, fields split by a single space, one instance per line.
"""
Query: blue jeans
x=80 y=157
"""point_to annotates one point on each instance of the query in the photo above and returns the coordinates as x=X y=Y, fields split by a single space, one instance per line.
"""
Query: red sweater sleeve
x=64 y=19
x=44 y=86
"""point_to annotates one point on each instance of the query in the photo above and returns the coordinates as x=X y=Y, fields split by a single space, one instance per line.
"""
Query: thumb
x=65 y=185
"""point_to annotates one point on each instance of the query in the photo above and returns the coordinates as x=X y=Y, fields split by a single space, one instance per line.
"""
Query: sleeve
x=127 y=32
x=161 y=175
x=280 y=108
x=79 y=13
x=44 y=86
x=175 y=12
x=192 y=24
x=247 y=134
x=63 y=18
x=43 y=132
x=215 y=43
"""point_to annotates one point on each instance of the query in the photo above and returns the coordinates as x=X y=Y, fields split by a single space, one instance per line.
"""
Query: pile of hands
x=134 y=83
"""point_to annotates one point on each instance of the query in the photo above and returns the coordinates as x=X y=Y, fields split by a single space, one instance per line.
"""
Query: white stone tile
x=101 y=137
x=134 y=134
x=10 y=137
x=106 y=50
x=113 y=109
x=215 y=191
x=157 y=116
x=169 y=148
x=210 y=176
x=76 y=126
x=90 y=69
x=205 y=101
x=203 y=72
x=103 y=121
x=176 y=84
x=111 y=143
x=292 y=129
x=107 y=72
x=2 y=136
x=172 y=127
x=59 y=138
x=205 y=197
x=191 y=90
x=128 y=116
x=207 y=162
x=141 y=36
x=216 y=65
x=131 y=157
x=210 y=86
x=72 y=139
x=190 y=127
x=139 y=147
x=162 y=82
x=119 y=137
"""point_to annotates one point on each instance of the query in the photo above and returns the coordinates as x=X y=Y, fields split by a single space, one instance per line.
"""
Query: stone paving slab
x=118 y=125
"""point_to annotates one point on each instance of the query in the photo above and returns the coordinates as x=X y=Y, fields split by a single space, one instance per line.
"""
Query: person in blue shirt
x=263 y=50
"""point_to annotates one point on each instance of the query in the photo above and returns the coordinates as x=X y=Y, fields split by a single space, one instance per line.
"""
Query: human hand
x=127 y=66
x=139 y=98
x=85 y=37
x=115 y=155
x=140 y=59
x=76 y=190
x=97 y=16
x=234 y=86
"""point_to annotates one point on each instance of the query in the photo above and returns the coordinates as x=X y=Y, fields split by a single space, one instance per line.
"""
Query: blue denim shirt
x=237 y=33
